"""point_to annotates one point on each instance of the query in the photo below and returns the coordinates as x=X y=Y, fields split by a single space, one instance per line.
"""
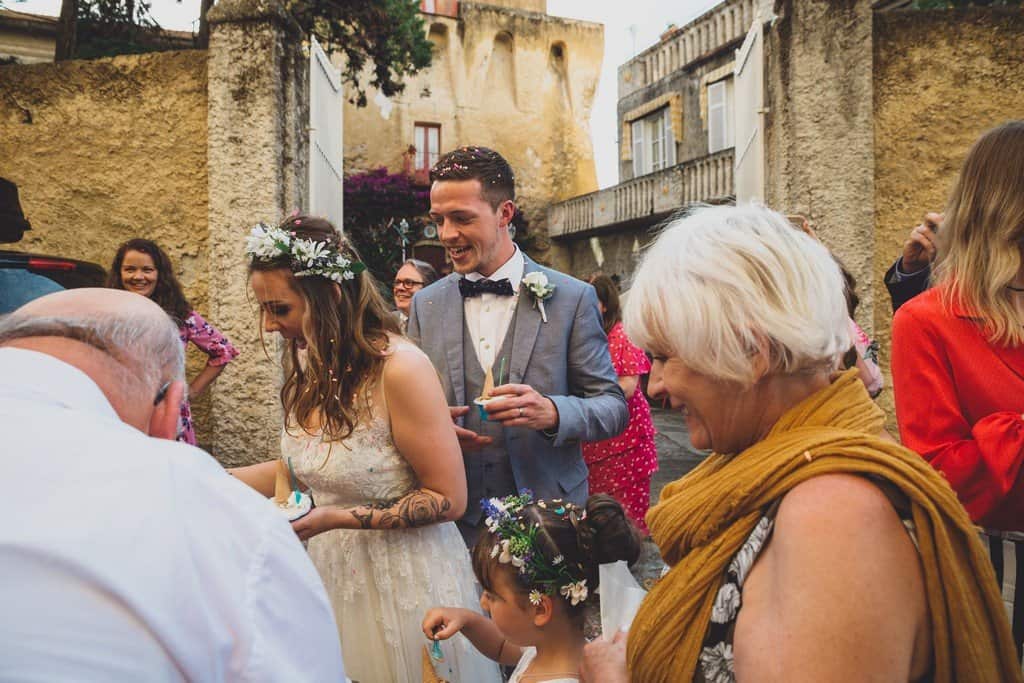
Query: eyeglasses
x=408 y=284
x=162 y=394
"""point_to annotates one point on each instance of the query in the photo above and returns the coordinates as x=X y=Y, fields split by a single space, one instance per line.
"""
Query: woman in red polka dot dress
x=622 y=465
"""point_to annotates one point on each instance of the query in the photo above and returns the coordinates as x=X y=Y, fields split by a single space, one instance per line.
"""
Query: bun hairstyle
x=345 y=330
x=583 y=542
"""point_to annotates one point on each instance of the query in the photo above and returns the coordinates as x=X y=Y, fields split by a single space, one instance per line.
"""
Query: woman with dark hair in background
x=622 y=466
x=958 y=354
x=141 y=266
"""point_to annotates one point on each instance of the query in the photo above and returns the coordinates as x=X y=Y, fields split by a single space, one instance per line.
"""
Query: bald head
x=94 y=302
x=126 y=343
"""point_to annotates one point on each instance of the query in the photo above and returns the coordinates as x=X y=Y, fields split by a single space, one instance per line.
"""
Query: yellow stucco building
x=505 y=75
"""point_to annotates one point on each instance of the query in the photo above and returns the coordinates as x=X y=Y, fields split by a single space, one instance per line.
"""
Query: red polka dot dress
x=622 y=465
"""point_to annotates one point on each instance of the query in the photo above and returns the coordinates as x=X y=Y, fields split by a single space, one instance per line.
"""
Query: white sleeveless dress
x=381 y=583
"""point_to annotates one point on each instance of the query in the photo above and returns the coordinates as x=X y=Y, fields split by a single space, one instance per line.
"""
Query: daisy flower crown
x=306 y=257
x=519 y=544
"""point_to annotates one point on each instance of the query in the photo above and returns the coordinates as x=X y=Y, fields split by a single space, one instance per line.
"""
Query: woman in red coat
x=622 y=466
x=958 y=353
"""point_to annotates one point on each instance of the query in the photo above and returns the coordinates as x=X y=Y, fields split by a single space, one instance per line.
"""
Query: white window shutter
x=639 y=167
x=748 y=116
x=325 y=137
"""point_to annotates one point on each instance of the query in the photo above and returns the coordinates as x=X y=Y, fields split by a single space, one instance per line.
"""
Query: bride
x=368 y=430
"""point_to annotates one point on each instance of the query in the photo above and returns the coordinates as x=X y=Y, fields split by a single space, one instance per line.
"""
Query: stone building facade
x=506 y=75
x=869 y=107
x=675 y=143
x=27 y=38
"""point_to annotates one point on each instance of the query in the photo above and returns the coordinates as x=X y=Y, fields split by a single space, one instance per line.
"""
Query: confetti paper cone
x=488 y=384
x=429 y=675
x=282 y=487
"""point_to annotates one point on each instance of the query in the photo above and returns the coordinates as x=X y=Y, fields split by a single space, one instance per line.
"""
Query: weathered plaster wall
x=615 y=253
x=108 y=149
x=496 y=81
x=819 y=130
x=941 y=79
x=258 y=151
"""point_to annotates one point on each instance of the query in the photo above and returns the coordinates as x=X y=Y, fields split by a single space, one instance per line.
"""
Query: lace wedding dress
x=381 y=583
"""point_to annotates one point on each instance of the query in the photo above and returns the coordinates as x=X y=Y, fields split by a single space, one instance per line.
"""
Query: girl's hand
x=441 y=623
x=319 y=520
x=605 y=661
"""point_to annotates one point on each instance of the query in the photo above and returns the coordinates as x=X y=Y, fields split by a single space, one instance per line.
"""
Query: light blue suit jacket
x=565 y=359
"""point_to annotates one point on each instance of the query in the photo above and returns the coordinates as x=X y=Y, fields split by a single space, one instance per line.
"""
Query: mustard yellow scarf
x=704 y=519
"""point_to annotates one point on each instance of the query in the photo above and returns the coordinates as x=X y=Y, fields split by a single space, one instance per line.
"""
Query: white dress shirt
x=488 y=316
x=128 y=558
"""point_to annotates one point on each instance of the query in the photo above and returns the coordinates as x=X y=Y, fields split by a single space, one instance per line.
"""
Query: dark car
x=24 y=277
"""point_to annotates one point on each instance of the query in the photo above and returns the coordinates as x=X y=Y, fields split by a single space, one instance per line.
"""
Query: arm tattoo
x=421 y=509
x=365 y=518
x=416 y=509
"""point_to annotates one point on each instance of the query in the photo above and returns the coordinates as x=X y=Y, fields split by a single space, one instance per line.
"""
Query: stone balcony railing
x=652 y=196
x=715 y=29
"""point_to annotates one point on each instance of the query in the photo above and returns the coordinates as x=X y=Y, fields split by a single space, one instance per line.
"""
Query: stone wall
x=108 y=149
x=819 y=154
x=941 y=79
x=259 y=156
x=521 y=82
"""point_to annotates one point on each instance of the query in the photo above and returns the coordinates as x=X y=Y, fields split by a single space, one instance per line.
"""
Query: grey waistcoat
x=488 y=471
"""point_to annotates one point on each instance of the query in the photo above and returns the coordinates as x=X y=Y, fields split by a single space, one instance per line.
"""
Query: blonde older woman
x=809 y=546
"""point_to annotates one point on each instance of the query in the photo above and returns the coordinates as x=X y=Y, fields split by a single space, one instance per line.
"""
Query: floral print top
x=208 y=339
x=215 y=345
x=715 y=664
x=628 y=360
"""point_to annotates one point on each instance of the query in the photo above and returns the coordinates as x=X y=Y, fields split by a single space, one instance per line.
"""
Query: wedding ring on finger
x=520 y=411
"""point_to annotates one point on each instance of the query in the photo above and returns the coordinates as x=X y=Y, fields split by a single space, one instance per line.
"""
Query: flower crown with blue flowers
x=306 y=257
x=519 y=545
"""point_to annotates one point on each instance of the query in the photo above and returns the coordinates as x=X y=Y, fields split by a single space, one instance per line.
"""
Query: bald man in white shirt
x=125 y=557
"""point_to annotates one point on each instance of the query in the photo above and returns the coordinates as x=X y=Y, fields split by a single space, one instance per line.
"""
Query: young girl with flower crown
x=537 y=564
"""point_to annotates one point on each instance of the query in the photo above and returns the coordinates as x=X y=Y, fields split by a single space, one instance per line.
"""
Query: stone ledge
x=246 y=11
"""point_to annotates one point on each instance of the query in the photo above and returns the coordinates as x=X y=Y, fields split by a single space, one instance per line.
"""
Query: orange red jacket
x=959 y=403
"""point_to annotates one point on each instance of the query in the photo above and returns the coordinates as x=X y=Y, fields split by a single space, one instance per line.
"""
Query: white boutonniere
x=537 y=285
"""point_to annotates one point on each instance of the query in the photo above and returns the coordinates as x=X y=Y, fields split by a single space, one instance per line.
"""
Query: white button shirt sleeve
x=295 y=637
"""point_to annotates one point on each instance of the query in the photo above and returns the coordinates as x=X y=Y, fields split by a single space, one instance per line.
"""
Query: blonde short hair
x=723 y=283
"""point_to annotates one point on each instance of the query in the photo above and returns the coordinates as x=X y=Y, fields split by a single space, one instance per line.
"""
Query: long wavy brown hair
x=982 y=234
x=168 y=293
x=346 y=327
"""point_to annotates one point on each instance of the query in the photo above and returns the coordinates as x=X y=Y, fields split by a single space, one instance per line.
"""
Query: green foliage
x=115 y=27
x=383 y=41
x=386 y=34
x=376 y=203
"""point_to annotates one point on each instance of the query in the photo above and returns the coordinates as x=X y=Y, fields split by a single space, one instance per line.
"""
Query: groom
x=538 y=330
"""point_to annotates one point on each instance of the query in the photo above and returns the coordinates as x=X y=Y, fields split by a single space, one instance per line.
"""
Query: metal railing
x=706 y=179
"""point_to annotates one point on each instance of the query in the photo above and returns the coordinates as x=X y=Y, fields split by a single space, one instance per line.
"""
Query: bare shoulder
x=839 y=515
x=405 y=363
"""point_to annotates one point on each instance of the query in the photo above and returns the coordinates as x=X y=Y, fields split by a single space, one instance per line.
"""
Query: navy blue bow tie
x=468 y=288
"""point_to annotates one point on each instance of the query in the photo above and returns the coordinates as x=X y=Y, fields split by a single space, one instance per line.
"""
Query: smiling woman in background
x=142 y=267
x=413 y=276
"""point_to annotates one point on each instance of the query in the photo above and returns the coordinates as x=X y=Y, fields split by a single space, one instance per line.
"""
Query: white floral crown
x=306 y=257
